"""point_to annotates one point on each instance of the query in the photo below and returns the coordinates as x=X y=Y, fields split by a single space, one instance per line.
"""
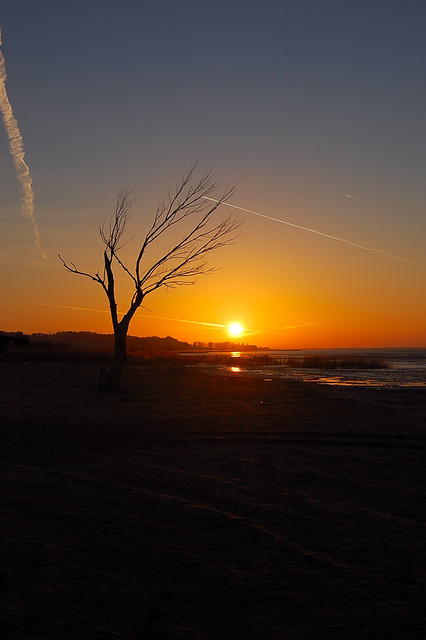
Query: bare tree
x=194 y=202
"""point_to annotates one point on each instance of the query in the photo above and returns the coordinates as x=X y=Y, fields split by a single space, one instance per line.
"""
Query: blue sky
x=302 y=103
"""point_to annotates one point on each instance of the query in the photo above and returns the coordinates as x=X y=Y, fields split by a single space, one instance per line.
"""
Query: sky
x=314 y=110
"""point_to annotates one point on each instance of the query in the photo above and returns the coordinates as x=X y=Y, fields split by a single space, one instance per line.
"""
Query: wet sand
x=198 y=506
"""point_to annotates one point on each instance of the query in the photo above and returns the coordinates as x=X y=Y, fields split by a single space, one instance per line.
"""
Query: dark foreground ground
x=197 y=506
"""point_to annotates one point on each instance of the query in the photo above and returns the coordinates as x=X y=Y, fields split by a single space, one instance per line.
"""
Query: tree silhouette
x=189 y=211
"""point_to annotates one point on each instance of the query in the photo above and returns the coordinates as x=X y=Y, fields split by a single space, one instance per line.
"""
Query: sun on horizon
x=235 y=329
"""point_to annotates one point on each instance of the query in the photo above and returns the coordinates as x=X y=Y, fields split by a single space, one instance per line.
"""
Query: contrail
x=62 y=306
x=298 y=326
x=18 y=154
x=205 y=324
x=247 y=332
x=318 y=233
x=56 y=306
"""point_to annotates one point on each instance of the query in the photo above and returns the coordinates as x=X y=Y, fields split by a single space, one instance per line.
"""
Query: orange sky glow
x=303 y=293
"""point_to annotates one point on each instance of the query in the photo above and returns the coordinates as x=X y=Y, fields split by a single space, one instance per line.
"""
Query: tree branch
x=184 y=262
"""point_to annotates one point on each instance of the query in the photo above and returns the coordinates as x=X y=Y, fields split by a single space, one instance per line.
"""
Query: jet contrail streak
x=57 y=306
x=62 y=306
x=247 y=332
x=318 y=233
x=206 y=324
x=18 y=154
x=298 y=326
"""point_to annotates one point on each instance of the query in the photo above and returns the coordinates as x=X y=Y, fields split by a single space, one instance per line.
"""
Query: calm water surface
x=407 y=368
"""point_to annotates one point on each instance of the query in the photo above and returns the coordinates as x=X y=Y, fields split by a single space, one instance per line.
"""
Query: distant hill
x=6 y=339
x=81 y=341
x=86 y=340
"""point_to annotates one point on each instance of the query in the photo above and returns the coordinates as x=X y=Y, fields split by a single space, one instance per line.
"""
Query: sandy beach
x=200 y=506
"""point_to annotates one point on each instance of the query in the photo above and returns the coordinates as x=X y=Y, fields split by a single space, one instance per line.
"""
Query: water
x=407 y=368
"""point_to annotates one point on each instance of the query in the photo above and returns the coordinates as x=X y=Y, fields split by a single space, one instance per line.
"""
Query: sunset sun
x=235 y=329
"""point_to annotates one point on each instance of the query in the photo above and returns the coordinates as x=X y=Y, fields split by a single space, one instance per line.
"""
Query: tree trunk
x=109 y=380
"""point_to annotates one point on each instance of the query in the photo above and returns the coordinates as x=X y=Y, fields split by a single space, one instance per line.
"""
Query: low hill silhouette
x=87 y=346
x=88 y=341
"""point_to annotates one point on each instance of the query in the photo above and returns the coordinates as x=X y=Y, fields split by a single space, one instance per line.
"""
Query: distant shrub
x=45 y=351
x=333 y=362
